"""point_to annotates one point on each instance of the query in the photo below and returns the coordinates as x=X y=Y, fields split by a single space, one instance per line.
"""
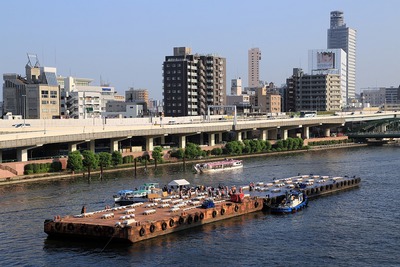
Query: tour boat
x=290 y=202
x=126 y=197
x=227 y=164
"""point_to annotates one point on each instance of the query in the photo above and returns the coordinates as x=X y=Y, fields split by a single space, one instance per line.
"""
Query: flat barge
x=141 y=221
x=161 y=216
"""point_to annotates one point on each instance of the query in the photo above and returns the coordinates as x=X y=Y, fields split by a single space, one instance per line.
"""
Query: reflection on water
x=352 y=228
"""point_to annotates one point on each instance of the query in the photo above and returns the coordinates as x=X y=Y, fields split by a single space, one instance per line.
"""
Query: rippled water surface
x=359 y=227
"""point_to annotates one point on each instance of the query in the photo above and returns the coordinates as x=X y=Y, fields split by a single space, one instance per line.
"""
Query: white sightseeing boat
x=227 y=164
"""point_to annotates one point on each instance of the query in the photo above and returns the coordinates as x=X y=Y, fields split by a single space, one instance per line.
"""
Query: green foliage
x=193 y=151
x=330 y=142
x=104 y=159
x=74 y=162
x=127 y=159
x=157 y=154
x=234 y=148
x=216 y=151
x=55 y=166
x=116 y=158
x=179 y=153
x=38 y=168
x=90 y=160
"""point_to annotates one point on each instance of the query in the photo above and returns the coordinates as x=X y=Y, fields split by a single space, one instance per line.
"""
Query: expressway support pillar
x=245 y=135
x=182 y=141
x=220 y=137
x=72 y=147
x=1 y=156
x=162 y=141
x=92 y=145
x=327 y=132
x=264 y=135
x=238 y=136
x=306 y=132
x=114 y=143
x=149 y=143
x=22 y=154
x=211 y=139
x=284 y=134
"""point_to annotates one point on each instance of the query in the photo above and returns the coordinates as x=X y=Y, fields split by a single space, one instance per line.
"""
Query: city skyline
x=126 y=44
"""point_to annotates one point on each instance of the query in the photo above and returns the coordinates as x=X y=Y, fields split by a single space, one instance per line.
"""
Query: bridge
x=53 y=136
x=377 y=129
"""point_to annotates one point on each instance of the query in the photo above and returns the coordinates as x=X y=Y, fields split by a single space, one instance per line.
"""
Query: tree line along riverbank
x=115 y=161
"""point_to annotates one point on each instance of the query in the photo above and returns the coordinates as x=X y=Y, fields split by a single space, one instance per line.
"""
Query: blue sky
x=125 y=42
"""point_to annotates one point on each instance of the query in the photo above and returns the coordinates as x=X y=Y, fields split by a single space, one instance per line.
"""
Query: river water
x=359 y=227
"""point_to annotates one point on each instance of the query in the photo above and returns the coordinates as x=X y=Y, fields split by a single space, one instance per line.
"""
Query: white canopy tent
x=180 y=182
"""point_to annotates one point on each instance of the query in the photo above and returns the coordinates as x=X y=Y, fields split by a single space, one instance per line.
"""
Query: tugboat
x=290 y=202
x=126 y=197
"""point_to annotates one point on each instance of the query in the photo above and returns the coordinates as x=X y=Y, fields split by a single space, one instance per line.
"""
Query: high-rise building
x=341 y=36
x=193 y=82
x=319 y=92
x=254 y=67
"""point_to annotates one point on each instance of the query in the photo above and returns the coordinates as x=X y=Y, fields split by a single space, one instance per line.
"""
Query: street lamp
x=24 y=104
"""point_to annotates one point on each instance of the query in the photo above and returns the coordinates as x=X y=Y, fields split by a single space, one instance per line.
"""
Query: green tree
x=177 y=153
x=216 y=151
x=279 y=144
x=116 y=158
x=90 y=160
x=234 y=148
x=192 y=151
x=104 y=159
x=247 y=146
x=290 y=143
x=157 y=154
x=74 y=162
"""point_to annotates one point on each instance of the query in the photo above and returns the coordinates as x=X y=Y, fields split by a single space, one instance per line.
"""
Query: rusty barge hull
x=117 y=225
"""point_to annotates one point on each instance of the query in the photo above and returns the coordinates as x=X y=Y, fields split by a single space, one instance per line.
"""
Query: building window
x=45 y=102
x=53 y=94
x=45 y=94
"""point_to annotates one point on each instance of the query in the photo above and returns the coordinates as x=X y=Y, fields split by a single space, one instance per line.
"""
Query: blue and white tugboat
x=290 y=202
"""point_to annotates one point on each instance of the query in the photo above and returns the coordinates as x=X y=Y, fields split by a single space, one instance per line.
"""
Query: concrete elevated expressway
x=74 y=132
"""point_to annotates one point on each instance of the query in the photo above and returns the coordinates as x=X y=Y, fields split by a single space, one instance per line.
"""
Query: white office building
x=80 y=100
x=341 y=36
x=330 y=61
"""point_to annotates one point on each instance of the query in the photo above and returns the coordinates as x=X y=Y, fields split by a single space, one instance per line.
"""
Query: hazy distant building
x=320 y=92
x=193 y=82
x=236 y=86
x=254 y=57
x=242 y=103
x=341 y=36
x=134 y=95
x=118 y=109
x=330 y=61
x=35 y=96
x=379 y=96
